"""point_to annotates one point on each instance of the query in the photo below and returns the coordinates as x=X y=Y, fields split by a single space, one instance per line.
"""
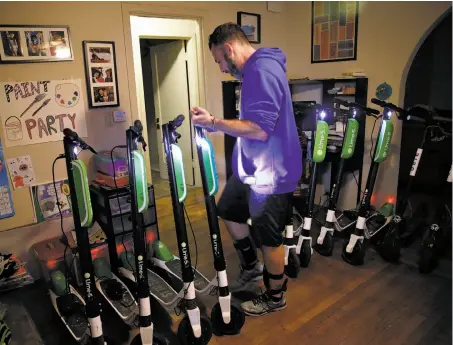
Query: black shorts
x=268 y=212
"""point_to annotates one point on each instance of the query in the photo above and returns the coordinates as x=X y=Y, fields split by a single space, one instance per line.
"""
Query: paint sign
x=35 y=112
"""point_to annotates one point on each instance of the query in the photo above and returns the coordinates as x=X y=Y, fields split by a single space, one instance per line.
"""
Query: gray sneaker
x=263 y=304
x=247 y=278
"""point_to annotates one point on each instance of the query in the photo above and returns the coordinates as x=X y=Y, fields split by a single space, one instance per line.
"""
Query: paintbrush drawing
x=37 y=99
x=42 y=106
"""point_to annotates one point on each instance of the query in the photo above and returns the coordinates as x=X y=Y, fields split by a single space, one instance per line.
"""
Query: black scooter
x=139 y=203
x=194 y=328
x=227 y=317
x=324 y=243
x=83 y=218
x=353 y=248
x=389 y=236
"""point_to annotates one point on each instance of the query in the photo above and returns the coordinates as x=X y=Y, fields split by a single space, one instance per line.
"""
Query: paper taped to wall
x=35 y=112
x=21 y=171
x=6 y=201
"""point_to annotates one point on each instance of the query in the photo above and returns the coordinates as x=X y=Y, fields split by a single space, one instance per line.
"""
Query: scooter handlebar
x=391 y=106
x=69 y=133
x=368 y=111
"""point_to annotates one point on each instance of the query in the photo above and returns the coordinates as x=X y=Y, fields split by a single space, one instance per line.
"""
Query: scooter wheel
x=389 y=247
x=293 y=268
x=305 y=254
x=326 y=248
x=186 y=336
x=356 y=257
x=235 y=324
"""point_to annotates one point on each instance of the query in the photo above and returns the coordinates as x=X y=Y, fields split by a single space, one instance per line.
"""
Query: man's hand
x=201 y=117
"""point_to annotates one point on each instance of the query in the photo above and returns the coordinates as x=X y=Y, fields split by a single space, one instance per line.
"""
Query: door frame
x=137 y=102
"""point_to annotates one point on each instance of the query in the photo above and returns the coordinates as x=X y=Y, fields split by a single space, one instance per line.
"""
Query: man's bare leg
x=274 y=260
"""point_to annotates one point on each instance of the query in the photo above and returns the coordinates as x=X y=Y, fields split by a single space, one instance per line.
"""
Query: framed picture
x=334 y=27
x=100 y=72
x=34 y=43
x=251 y=24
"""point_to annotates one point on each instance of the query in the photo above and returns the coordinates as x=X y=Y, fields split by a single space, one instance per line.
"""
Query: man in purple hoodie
x=267 y=161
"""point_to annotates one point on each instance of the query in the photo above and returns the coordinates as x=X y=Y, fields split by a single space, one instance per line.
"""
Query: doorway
x=164 y=70
x=168 y=80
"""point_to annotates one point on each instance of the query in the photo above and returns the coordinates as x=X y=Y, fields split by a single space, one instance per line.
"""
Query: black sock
x=247 y=253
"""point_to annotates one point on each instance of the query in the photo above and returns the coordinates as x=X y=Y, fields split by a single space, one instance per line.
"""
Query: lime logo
x=185 y=254
x=87 y=276
x=214 y=236
x=349 y=150
x=140 y=267
x=320 y=152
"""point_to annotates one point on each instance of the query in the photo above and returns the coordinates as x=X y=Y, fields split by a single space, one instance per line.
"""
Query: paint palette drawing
x=67 y=95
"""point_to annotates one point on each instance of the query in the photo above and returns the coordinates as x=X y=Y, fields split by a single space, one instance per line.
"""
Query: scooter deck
x=173 y=268
x=71 y=309
x=160 y=289
x=375 y=223
x=343 y=221
x=124 y=304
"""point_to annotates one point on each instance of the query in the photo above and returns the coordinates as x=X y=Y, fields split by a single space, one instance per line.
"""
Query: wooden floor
x=330 y=302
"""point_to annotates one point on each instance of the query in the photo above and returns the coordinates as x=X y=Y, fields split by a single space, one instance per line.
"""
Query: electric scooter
x=227 y=317
x=324 y=242
x=194 y=328
x=394 y=230
x=353 y=248
x=139 y=203
x=304 y=245
x=65 y=299
x=157 y=287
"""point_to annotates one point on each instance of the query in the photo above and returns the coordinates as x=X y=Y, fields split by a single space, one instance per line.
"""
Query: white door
x=171 y=98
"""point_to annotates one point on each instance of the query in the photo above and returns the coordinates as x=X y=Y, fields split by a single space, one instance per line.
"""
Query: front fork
x=357 y=235
x=327 y=228
x=305 y=236
x=192 y=309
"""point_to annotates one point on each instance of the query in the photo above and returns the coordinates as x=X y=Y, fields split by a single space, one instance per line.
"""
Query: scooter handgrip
x=378 y=102
x=415 y=119
x=178 y=121
x=342 y=102
x=138 y=125
x=371 y=111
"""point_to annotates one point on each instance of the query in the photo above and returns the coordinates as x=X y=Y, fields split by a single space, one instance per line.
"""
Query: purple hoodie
x=273 y=166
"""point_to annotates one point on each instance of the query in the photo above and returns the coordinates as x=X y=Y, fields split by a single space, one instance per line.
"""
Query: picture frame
x=100 y=73
x=251 y=24
x=334 y=30
x=35 y=43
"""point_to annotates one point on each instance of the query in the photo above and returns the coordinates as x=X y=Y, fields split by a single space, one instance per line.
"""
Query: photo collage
x=19 y=44
x=102 y=76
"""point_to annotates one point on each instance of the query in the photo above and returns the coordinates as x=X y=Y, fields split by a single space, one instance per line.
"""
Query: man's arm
x=241 y=128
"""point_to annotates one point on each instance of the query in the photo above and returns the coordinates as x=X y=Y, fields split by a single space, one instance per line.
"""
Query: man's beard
x=234 y=70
